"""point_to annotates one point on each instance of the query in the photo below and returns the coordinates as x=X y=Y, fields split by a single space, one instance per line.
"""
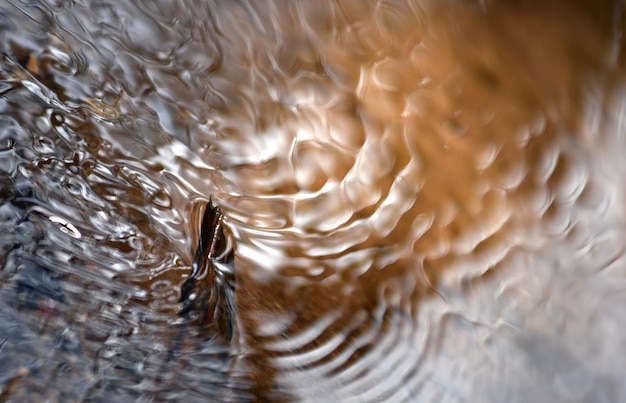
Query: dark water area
x=417 y=201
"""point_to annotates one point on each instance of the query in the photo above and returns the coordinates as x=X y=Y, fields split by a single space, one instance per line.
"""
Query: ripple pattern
x=425 y=198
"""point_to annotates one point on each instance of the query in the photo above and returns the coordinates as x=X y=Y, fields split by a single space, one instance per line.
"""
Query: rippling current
x=424 y=199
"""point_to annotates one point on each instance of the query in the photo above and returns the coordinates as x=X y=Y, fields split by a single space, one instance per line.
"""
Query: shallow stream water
x=425 y=199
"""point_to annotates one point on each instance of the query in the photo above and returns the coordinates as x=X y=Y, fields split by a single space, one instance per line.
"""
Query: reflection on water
x=425 y=199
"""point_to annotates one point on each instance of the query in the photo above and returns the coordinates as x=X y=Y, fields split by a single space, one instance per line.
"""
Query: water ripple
x=425 y=200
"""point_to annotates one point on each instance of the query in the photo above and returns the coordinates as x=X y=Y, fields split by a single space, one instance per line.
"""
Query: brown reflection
x=486 y=98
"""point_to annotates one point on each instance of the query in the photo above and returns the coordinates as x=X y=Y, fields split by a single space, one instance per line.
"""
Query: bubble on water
x=66 y=227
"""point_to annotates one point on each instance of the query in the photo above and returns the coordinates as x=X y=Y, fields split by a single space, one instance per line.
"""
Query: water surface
x=424 y=197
